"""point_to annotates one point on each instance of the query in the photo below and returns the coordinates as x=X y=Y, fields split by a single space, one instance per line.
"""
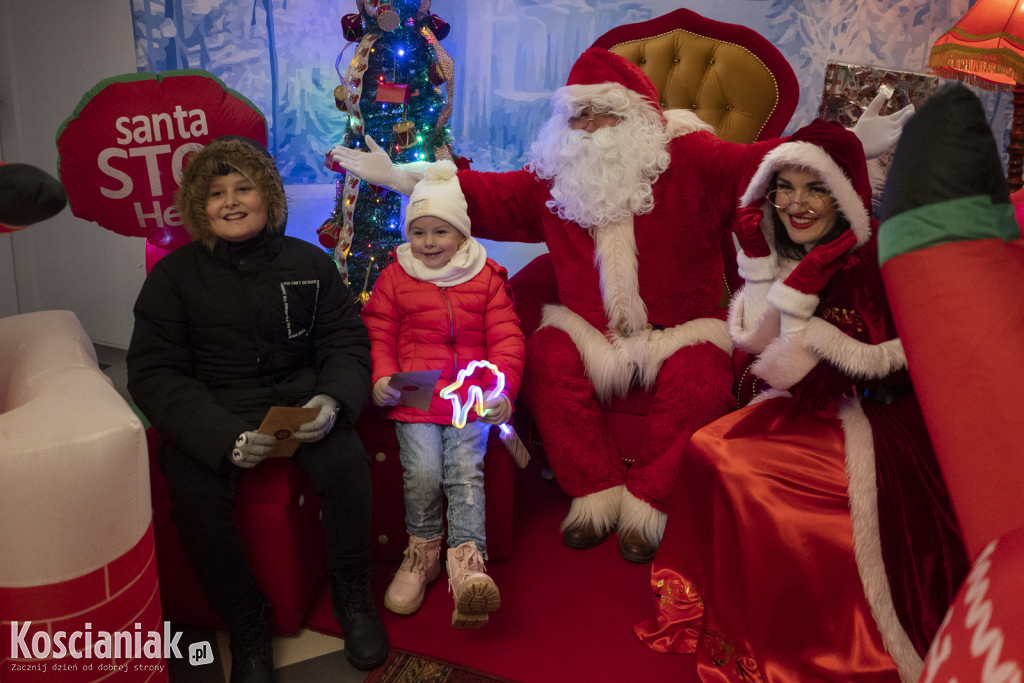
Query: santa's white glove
x=499 y=410
x=384 y=394
x=374 y=166
x=878 y=134
x=317 y=428
x=251 y=448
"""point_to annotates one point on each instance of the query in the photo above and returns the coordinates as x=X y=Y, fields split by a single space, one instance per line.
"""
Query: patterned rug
x=406 y=667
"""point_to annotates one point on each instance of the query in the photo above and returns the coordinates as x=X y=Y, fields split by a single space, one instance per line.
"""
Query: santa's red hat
x=598 y=66
x=596 y=74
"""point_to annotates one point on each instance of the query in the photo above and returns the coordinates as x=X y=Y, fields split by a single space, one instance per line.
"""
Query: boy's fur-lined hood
x=231 y=153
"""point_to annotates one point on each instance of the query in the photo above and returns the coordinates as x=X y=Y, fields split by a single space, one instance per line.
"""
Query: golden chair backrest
x=725 y=84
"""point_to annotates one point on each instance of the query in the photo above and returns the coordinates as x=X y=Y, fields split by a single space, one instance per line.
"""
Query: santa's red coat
x=675 y=282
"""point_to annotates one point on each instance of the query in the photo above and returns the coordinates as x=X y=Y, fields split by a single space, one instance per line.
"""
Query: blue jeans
x=441 y=458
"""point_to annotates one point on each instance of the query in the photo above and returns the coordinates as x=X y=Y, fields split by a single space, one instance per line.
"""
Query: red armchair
x=278 y=516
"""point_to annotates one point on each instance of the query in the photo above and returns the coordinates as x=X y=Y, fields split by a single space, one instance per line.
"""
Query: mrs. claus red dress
x=810 y=535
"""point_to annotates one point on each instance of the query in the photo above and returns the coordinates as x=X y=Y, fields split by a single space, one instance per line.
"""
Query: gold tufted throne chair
x=734 y=79
x=728 y=74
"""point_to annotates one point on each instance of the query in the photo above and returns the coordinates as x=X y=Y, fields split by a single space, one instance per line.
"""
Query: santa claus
x=631 y=202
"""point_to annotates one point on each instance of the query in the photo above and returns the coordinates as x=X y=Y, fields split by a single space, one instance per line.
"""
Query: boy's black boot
x=252 y=654
x=366 y=641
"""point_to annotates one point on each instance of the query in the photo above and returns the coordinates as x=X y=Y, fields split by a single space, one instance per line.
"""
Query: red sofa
x=278 y=515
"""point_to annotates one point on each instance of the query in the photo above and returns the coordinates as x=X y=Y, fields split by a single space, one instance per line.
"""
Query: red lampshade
x=983 y=48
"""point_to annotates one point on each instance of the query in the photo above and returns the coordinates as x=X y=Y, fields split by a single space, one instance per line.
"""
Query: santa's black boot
x=252 y=654
x=366 y=641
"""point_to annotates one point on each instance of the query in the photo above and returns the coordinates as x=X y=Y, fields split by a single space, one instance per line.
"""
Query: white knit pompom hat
x=440 y=195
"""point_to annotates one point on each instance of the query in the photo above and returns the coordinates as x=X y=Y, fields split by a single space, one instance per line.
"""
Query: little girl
x=441 y=305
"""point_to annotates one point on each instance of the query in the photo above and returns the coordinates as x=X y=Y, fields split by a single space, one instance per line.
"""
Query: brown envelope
x=281 y=422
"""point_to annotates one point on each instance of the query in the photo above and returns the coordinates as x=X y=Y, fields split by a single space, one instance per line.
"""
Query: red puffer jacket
x=416 y=325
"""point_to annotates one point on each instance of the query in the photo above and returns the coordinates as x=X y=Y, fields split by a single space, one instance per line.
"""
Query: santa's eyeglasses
x=586 y=118
x=815 y=200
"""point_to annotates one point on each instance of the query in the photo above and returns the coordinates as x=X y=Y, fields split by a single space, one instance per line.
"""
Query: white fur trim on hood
x=813 y=157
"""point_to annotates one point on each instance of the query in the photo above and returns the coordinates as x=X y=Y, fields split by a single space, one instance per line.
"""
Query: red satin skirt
x=756 y=572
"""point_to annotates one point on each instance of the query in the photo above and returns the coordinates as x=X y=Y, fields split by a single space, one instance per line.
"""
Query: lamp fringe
x=971 y=64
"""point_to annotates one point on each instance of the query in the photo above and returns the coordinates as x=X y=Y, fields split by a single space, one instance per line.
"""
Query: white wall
x=51 y=53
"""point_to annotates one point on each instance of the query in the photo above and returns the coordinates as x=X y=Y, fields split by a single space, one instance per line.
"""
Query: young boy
x=242 y=319
x=441 y=305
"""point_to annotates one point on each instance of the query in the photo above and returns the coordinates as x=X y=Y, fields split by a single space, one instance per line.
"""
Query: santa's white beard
x=602 y=177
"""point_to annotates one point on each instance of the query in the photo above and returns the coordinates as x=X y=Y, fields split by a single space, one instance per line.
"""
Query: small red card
x=393 y=92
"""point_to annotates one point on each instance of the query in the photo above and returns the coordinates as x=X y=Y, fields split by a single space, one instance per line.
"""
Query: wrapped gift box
x=849 y=89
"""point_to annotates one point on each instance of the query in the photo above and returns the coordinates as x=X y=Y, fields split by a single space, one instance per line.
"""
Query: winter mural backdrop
x=509 y=56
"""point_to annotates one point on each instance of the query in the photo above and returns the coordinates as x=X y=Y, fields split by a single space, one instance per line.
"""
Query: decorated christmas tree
x=396 y=88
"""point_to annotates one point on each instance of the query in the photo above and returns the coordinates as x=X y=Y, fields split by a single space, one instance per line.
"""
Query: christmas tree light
x=396 y=88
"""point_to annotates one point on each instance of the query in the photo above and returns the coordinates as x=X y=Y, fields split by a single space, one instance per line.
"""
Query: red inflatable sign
x=123 y=149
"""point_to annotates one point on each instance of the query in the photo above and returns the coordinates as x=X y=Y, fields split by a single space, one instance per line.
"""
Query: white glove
x=251 y=448
x=792 y=325
x=383 y=394
x=374 y=166
x=499 y=410
x=317 y=428
x=795 y=307
x=878 y=134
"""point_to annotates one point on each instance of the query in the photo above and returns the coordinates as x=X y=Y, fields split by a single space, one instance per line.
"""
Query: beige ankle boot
x=421 y=565
x=475 y=593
